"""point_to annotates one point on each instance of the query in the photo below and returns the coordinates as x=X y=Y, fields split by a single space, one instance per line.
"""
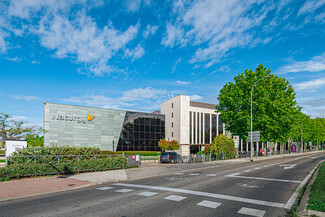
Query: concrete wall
x=68 y=125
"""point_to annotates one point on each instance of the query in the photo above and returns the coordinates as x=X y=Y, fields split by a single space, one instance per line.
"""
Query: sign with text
x=236 y=140
x=256 y=136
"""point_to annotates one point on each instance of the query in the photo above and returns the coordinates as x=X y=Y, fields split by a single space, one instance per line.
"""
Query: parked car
x=170 y=157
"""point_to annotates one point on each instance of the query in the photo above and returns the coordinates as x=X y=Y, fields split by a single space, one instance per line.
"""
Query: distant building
x=192 y=124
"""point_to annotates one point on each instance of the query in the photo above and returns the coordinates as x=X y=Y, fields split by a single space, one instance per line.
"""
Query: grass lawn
x=2 y=160
x=317 y=193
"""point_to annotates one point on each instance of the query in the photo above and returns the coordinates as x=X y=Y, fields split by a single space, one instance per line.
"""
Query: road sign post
x=236 y=140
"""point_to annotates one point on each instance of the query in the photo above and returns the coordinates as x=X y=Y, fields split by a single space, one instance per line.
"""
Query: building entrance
x=195 y=149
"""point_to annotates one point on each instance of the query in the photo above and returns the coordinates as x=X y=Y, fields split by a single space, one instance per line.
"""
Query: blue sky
x=135 y=54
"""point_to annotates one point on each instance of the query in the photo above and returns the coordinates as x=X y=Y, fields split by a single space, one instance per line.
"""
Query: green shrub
x=142 y=153
x=200 y=152
x=65 y=166
x=222 y=146
x=2 y=152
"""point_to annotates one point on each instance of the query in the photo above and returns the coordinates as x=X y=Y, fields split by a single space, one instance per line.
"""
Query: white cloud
x=150 y=30
x=311 y=85
x=135 y=53
x=195 y=97
x=176 y=64
x=35 y=62
x=215 y=26
x=145 y=99
x=23 y=97
x=184 y=82
x=310 y=6
x=316 y=64
x=14 y=59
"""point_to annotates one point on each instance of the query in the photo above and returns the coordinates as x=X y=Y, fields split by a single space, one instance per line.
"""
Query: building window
x=207 y=128
x=172 y=134
x=172 y=114
x=202 y=139
x=172 y=124
x=190 y=140
x=172 y=105
x=220 y=126
x=214 y=126
x=194 y=128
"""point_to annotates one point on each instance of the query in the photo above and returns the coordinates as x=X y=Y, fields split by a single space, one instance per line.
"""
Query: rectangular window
x=172 y=114
x=172 y=134
x=220 y=126
x=202 y=139
x=190 y=139
x=207 y=128
x=214 y=126
x=172 y=105
x=172 y=124
x=198 y=128
x=194 y=127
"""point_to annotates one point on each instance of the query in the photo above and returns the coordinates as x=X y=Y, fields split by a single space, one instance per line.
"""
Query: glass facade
x=190 y=139
x=202 y=139
x=220 y=127
x=207 y=128
x=141 y=132
x=194 y=127
x=214 y=126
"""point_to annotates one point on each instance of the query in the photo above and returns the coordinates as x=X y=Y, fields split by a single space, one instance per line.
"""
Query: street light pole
x=252 y=115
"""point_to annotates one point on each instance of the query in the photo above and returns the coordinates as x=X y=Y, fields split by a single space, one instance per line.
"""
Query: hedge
x=66 y=166
x=57 y=150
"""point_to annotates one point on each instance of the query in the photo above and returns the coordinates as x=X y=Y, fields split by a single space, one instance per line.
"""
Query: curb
x=292 y=200
x=301 y=210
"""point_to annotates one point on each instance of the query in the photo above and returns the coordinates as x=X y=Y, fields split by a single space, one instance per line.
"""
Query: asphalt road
x=260 y=188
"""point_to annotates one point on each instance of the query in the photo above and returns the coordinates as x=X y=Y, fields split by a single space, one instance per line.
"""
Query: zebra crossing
x=178 y=198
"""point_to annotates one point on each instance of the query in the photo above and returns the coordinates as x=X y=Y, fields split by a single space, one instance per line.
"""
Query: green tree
x=35 y=141
x=274 y=105
x=14 y=129
x=222 y=145
x=168 y=145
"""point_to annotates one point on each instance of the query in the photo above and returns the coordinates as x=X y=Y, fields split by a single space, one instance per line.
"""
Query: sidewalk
x=38 y=186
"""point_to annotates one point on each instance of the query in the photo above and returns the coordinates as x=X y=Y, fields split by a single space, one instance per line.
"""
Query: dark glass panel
x=207 y=128
x=214 y=126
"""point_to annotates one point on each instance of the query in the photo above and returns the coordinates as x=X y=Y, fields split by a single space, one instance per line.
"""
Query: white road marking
x=314 y=157
x=124 y=190
x=104 y=188
x=266 y=179
x=249 y=186
x=257 y=168
x=211 y=174
x=234 y=174
x=252 y=212
x=209 y=204
x=179 y=173
x=295 y=194
x=194 y=174
x=175 y=198
x=266 y=166
x=246 y=171
x=147 y=193
x=206 y=194
x=288 y=166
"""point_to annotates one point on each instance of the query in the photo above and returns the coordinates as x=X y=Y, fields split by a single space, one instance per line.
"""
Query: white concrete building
x=193 y=124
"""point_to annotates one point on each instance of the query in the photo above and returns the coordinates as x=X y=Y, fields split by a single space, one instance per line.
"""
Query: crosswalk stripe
x=252 y=212
x=205 y=194
x=147 y=193
x=175 y=198
x=209 y=204
x=124 y=190
x=104 y=188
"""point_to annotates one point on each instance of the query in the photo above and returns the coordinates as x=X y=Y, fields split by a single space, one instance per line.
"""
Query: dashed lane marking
x=257 y=168
x=194 y=174
x=266 y=166
x=147 y=193
x=179 y=174
x=209 y=204
x=259 y=178
x=104 y=188
x=252 y=212
x=205 y=194
x=175 y=198
x=124 y=190
x=246 y=171
x=211 y=174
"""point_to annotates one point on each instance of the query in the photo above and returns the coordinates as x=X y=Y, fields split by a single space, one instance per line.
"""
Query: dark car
x=170 y=157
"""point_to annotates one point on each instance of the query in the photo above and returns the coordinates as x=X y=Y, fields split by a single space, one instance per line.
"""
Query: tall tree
x=14 y=129
x=274 y=105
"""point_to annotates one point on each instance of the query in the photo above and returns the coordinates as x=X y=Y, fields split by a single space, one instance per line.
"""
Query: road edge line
x=295 y=194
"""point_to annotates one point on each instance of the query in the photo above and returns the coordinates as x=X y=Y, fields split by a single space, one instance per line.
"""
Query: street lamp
x=252 y=115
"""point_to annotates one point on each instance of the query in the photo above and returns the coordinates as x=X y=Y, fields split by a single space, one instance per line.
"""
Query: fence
x=20 y=166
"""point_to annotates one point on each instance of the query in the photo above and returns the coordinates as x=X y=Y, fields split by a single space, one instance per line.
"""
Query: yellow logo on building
x=89 y=117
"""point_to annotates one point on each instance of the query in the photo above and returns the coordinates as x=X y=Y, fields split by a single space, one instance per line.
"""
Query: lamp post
x=252 y=116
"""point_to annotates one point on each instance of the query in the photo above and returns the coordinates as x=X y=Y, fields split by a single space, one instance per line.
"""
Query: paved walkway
x=38 y=186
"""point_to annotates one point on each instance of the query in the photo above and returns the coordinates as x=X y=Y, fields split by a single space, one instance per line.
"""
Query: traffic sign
x=133 y=157
x=255 y=135
x=236 y=140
